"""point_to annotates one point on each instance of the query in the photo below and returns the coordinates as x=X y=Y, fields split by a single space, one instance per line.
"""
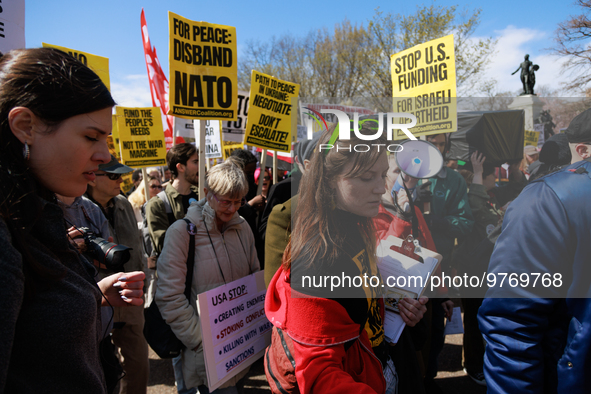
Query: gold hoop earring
x=26 y=151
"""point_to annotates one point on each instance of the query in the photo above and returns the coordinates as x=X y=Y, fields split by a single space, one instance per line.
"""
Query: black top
x=50 y=338
x=186 y=199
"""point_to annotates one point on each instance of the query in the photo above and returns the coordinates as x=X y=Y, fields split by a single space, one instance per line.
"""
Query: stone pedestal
x=531 y=105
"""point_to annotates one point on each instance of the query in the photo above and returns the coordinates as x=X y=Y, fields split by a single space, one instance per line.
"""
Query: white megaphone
x=419 y=160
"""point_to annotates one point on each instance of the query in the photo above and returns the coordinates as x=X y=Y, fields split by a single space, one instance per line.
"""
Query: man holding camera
x=128 y=335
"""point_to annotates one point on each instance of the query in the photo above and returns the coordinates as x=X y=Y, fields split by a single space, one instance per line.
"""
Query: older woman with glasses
x=224 y=252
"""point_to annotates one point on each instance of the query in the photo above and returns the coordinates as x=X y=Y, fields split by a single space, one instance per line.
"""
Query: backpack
x=280 y=364
x=148 y=244
x=158 y=334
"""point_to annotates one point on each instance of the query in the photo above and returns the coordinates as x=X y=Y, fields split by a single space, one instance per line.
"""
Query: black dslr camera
x=113 y=256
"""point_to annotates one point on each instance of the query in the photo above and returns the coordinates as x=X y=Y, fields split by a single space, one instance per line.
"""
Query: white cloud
x=132 y=91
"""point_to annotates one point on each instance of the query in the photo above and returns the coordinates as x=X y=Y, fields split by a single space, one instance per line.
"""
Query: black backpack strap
x=192 y=230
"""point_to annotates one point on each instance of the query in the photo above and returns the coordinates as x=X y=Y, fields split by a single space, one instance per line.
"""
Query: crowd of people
x=73 y=311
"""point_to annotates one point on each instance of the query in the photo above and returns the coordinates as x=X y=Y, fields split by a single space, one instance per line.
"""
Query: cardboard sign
x=270 y=114
x=98 y=64
x=539 y=128
x=229 y=146
x=234 y=130
x=213 y=138
x=113 y=147
x=531 y=138
x=184 y=128
x=141 y=136
x=203 y=69
x=113 y=140
x=12 y=25
x=424 y=84
x=234 y=327
x=127 y=183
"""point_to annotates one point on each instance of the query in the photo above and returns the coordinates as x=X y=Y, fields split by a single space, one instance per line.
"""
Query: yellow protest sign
x=269 y=122
x=113 y=140
x=127 y=183
x=203 y=69
x=229 y=146
x=424 y=85
x=98 y=64
x=115 y=130
x=531 y=138
x=113 y=148
x=141 y=136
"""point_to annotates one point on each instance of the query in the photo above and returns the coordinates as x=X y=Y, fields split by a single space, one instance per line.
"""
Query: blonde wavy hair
x=138 y=198
x=227 y=179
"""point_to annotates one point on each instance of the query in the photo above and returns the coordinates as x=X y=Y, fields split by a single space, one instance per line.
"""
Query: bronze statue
x=528 y=76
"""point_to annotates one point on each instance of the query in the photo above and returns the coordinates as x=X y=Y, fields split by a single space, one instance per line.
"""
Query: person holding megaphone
x=441 y=194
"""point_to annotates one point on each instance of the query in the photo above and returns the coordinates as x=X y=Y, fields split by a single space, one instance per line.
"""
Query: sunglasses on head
x=111 y=176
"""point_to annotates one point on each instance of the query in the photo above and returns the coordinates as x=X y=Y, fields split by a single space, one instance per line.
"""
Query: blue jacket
x=539 y=341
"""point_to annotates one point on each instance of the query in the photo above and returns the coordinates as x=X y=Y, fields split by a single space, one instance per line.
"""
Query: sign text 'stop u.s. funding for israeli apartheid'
x=424 y=84
x=203 y=69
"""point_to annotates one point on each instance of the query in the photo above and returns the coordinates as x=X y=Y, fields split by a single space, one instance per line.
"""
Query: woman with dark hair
x=55 y=116
x=335 y=335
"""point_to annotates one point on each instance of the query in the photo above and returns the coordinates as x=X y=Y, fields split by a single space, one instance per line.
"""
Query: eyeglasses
x=156 y=187
x=111 y=176
x=226 y=203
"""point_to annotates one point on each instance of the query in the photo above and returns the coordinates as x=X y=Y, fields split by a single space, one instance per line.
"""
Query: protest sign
x=98 y=64
x=539 y=128
x=233 y=130
x=141 y=136
x=203 y=69
x=184 y=128
x=113 y=148
x=234 y=328
x=424 y=85
x=270 y=117
x=12 y=25
x=113 y=140
x=531 y=138
x=229 y=146
x=213 y=140
x=127 y=183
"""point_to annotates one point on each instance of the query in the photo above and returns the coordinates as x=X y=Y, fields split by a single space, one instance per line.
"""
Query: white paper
x=454 y=326
x=234 y=327
x=393 y=326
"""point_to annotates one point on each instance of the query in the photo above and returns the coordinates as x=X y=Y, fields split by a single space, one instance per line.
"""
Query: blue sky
x=111 y=29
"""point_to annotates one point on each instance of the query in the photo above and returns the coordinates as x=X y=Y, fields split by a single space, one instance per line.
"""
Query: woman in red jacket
x=329 y=336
